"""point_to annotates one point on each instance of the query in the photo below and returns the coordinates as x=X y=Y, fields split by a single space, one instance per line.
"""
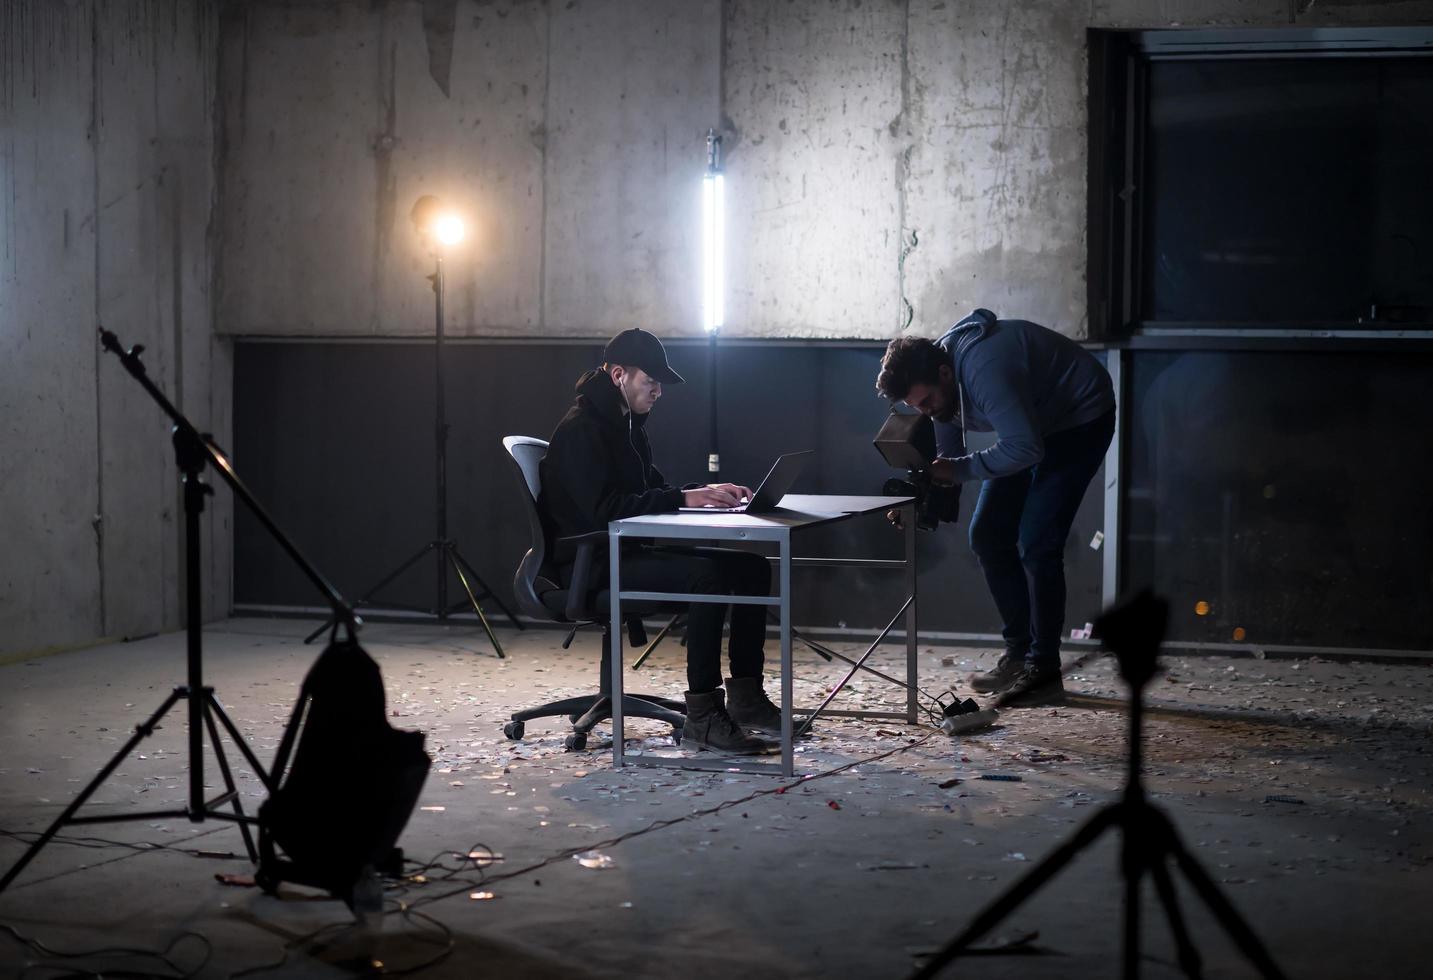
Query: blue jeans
x=1018 y=534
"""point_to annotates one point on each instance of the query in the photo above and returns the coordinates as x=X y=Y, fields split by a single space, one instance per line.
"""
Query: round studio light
x=448 y=228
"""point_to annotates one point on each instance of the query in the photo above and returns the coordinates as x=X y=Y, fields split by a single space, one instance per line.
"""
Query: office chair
x=540 y=595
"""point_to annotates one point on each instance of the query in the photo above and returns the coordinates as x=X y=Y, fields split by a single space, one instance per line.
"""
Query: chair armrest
x=584 y=546
x=565 y=548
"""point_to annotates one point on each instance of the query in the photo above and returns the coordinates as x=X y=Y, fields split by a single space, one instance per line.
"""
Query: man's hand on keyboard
x=741 y=493
x=711 y=496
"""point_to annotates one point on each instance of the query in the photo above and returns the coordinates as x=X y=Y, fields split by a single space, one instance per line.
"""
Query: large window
x=1274 y=180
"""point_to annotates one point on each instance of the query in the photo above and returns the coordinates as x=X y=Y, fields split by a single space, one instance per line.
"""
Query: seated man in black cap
x=598 y=469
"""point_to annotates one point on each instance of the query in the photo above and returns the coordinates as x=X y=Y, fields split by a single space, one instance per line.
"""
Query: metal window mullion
x=1117 y=363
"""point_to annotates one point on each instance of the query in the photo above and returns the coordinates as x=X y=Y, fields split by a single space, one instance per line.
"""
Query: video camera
x=907 y=442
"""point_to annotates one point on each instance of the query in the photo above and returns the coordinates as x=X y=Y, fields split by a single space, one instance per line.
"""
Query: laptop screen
x=779 y=481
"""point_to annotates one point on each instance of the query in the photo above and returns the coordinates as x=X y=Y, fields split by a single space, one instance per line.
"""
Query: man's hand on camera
x=942 y=471
x=713 y=496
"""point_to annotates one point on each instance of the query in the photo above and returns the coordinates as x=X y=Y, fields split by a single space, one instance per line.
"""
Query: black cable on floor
x=37 y=947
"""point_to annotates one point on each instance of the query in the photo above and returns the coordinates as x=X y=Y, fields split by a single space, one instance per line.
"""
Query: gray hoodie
x=1021 y=381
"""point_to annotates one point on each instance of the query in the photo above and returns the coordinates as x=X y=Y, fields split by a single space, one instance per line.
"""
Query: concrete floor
x=849 y=875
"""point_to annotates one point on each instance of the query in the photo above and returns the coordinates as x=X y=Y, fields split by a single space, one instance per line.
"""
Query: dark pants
x=1018 y=533
x=715 y=571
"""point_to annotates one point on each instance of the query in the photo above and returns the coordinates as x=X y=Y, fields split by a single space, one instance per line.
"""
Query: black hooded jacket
x=598 y=466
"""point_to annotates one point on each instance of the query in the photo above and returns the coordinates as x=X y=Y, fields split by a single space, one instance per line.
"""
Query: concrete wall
x=890 y=163
x=106 y=199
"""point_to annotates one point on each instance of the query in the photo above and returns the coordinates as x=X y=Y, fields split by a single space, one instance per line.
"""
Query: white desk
x=799 y=512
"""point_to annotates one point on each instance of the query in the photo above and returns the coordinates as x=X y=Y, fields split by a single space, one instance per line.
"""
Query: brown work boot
x=1007 y=669
x=708 y=726
x=749 y=707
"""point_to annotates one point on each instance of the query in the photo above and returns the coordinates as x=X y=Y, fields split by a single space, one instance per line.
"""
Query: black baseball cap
x=639 y=349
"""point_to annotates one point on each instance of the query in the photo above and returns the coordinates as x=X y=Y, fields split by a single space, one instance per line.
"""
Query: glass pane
x=1285 y=495
x=1289 y=192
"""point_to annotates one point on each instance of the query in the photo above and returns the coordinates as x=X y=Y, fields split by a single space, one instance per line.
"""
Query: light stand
x=438 y=228
x=1133 y=632
x=714 y=457
x=192 y=450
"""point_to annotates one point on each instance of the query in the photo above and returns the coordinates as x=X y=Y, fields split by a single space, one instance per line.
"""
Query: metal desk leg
x=614 y=635
x=909 y=519
x=788 y=762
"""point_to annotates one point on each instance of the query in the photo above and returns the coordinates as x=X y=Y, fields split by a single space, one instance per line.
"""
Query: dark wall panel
x=337 y=440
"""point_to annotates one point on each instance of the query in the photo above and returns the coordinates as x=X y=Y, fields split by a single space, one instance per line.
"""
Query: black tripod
x=1132 y=631
x=192 y=450
x=441 y=546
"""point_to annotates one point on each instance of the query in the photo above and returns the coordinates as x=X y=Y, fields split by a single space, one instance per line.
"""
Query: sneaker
x=1035 y=686
x=1007 y=669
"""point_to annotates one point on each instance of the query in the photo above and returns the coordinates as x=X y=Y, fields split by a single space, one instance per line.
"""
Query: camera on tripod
x=907 y=442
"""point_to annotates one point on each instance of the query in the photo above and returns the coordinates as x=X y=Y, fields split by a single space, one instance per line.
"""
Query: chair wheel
x=575 y=742
x=513 y=730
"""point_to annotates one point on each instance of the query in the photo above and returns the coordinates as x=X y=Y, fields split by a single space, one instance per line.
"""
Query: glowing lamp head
x=438 y=226
x=448 y=229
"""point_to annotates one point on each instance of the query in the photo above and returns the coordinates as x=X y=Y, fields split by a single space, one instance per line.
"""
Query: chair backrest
x=528 y=582
x=527 y=452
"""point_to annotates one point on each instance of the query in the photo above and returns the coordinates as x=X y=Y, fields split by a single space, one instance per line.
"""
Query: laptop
x=777 y=484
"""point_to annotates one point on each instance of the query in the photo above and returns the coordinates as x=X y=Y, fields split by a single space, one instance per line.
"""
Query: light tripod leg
x=997 y=910
x=140 y=732
x=233 y=790
x=458 y=568
x=1227 y=915
x=379 y=587
x=1189 y=959
x=238 y=740
x=487 y=592
x=647 y=652
x=823 y=652
x=1133 y=874
x=830 y=654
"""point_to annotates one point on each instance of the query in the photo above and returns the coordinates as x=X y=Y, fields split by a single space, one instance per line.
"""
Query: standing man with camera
x=1051 y=406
